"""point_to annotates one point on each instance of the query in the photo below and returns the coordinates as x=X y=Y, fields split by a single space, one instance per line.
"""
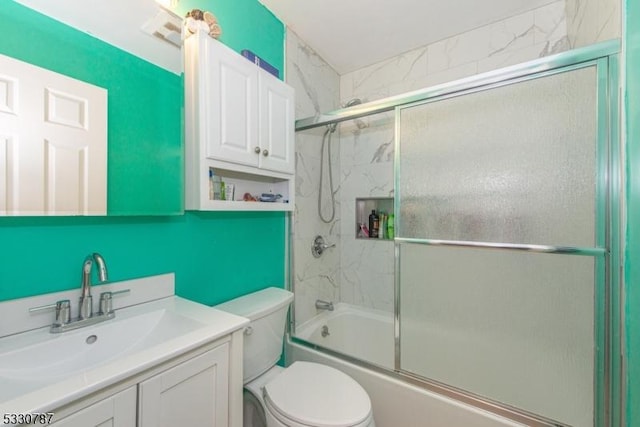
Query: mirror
x=104 y=46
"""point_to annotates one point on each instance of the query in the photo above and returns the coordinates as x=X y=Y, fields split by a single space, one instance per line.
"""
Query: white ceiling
x=351 y=34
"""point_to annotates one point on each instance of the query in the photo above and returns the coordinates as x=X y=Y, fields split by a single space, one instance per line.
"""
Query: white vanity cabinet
x=239 y=123
x=118 y=410
x=191 y=394
x=201 y=388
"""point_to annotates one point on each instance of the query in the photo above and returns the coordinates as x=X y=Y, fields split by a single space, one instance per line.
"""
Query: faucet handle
x=63 y=311
x=106 y=300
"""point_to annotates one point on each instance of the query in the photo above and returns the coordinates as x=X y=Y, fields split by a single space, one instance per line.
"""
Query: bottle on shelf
x=382 y=229
x=390 y=227
x=374 y=225
x=216 y=187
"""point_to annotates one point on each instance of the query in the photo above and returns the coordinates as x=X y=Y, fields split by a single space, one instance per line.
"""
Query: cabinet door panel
x=232 y=103
x=194 y=393
x=276 y=124
x=118 y=410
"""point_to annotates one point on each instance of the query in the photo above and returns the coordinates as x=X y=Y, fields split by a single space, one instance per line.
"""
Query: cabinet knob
x=265 y=152
x=257 y=150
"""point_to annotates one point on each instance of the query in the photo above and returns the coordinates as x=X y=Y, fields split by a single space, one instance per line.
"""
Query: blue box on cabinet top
x=260 y=62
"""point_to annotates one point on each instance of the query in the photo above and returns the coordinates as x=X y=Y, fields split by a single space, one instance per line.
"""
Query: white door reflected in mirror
x=53 y=143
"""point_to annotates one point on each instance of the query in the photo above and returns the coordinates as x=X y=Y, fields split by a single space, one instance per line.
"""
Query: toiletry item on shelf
x=382 y=231
x=363 y=231
x=229 y=191
x=210 y=184
x=390 y=227
x=268 y=197
x=216 y=186
x=374 y=225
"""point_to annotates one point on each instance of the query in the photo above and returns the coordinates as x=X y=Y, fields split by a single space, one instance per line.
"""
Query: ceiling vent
x=165 y=26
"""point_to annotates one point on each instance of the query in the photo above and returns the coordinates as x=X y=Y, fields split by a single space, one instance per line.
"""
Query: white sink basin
x=62 y=354
x=35 y=362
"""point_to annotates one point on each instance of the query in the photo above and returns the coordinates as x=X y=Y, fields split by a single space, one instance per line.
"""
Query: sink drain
x=91 y=339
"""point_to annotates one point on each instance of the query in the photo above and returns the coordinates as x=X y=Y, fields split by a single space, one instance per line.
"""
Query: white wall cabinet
x=239 y=124
x=53 y=143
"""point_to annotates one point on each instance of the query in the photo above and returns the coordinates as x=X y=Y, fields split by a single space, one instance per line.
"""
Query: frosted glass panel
x=513 y=164
x=511 y=326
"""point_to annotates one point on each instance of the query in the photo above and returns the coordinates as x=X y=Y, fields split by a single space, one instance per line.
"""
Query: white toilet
x=304 y=394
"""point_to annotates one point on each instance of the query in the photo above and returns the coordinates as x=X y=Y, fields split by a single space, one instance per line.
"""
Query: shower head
x=352 y=102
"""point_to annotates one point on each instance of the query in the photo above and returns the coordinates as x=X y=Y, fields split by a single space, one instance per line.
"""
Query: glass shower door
x=501 y=240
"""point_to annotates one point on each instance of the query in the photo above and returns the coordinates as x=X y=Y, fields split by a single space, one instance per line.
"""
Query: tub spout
x=324 y=305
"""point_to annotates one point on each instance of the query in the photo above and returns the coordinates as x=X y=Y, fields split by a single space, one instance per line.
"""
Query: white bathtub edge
x=398 y=404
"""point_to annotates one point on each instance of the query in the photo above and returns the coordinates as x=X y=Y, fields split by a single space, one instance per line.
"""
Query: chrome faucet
x=63 y=321
x=86 y=301
x=324 y=305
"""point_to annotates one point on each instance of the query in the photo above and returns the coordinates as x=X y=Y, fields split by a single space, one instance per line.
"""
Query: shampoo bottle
x=390 y=227
x=374 y=225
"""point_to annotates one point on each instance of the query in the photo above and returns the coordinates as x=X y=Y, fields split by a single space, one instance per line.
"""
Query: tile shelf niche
x=364 y=206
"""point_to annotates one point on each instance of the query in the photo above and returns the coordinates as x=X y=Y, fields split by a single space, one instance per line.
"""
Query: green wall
x=215 y=255
x=246 y=24
x=632 y=267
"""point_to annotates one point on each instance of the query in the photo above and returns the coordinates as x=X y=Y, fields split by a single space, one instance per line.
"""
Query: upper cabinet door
x=276 y=124
x=232 y=106
x=53 y=143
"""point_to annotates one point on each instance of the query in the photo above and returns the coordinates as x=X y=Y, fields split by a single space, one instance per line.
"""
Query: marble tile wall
x=366 y=169
x=317 y=90
x=592 y=21
x=523 y=37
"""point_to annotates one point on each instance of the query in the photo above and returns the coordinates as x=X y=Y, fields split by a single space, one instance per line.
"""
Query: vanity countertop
x=41 y=371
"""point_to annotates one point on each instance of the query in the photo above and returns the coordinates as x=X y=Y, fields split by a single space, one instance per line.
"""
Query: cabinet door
x=276 y=124
x=194 y=393
x=118 y=410
x=231 y=105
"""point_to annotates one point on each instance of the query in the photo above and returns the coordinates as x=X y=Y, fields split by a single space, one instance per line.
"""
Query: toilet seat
x=310 y=394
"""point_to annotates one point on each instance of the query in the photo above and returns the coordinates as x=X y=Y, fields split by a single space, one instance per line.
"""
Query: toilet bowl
x=303 y=395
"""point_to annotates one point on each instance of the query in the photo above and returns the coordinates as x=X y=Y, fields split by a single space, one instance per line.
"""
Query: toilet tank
x=263 y=338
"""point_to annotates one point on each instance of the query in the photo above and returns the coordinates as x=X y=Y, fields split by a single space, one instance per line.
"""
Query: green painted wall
x=216 y=255
x=632 y=267
x=246 y=24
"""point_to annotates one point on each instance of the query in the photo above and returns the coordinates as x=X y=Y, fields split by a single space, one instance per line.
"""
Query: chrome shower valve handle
x=319 y=246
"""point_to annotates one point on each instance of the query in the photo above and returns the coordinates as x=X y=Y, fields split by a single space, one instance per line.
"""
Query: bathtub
x=368 y=335
x=365 y=334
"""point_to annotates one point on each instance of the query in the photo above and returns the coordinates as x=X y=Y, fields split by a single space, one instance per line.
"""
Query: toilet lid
x=318 y=395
